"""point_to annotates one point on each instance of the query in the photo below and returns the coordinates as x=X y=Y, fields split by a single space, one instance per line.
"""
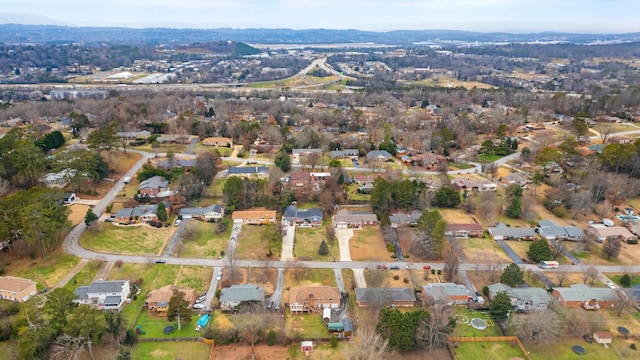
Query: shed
x=348 y=326
x=306 y=347
x=335 y=326
x=603 y=337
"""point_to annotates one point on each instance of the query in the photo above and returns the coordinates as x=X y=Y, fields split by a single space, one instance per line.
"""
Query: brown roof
x=14 y=284
x=468 y=227
x=211 y=140
x=603 y=335
x=254 y=213
x=300 y=176
x=166 y=292
x=366 y=178
x=301 y=294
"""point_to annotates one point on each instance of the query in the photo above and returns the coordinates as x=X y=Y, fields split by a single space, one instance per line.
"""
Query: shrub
x=632 y=241
x=485 y=291
x=334 y=342
x=560 y=211
x=433 y=271
x=406 y=256
x=391 y=247
x=272 y=338
x=406 y=280
x=396 y=277
x=130 y=337
x=439 y=272
x=208 y=333
x=625 y=280
x=632 y=346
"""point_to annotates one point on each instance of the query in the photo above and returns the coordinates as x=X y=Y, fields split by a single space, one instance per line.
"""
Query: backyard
x=305 y=326
x=85 y=276
x=127 y=240
x=252 y=243
x=368 y=245
x=171 y=350
x=201 y=239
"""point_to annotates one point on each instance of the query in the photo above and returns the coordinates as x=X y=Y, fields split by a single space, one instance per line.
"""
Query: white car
x=219 y=276
x=178 y=222
x=610 y=285
x=198 y=306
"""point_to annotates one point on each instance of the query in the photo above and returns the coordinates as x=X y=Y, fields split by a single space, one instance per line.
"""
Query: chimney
x=311 y=300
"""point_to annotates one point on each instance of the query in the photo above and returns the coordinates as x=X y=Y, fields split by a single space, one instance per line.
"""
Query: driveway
x=176 y=238
x=275 y=301
x=288 y=238
x=344 y=235
x=512 y=254
x=211 y=293
x=339 y=279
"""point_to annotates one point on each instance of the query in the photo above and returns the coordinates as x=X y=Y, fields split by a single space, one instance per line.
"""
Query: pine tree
x=324 y=248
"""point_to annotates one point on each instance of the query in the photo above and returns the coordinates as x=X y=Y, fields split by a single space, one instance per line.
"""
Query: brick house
x=158 y=299
x=153 y=186
x=218 y=141
x=580 y=295
x=17 y=289
x=254 y=216
x=396 y=297
x=313 y=298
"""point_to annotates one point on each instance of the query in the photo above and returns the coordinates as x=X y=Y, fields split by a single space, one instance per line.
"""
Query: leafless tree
x=611 y=247
x=557 y=248
x=68 y=347
x=590 y=274
x=494 y=266
x=562 y=277
x=375 y=277
x=579 y=322
x=528 y=207
x=252 y=328
x=538 y=327
x=605 y=130
x=488 y=206
x=432 y=333
x=368 y=345
x=451 y=267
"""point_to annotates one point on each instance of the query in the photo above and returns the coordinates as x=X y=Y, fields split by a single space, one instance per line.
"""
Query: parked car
x=108 y=219
x=610 y=285
x=587 y=338
x=161 y=261
x=178 y=222
x=382 y=266
x=395 y=267
x=426 y=267
x=410 y=267
x=198 y=306
x=219 y=276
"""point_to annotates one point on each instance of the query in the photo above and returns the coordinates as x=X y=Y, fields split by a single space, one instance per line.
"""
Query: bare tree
x=605 y=130
x=611 y=247
x=538 y=327
x=451 y=267
x=494 y=266
x=67 y=347
x=368 y=345
x=562 y=277
x=432 y=333
x=579 y=322
x=252 y=328
x=557 y=248
x=375 y=277
x=488 y=206
x=590 y=274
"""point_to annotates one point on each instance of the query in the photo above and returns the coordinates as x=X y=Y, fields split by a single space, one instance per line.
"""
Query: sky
x=518 y=16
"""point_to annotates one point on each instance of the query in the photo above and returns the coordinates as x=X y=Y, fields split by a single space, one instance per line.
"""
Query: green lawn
x=85 y=276
x=308 y=242
x=635 y=279
x=561 y=350
x=458 y=165
x=251 y=243
x=196 y=277
x=154 y=325
x=8 y=350
x=171 y=351
x=46 y=272
x=465 y=330
x=215 y=190
x=202 y=240
x=308 y=326
x=352 y=193
x=494 y=350
x=489 y=158
x=127 y=240
x=324 y=277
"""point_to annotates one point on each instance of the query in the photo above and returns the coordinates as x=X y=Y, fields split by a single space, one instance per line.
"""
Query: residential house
x=354 y=219
x=254 y=216
x=445 y=293
x=402 y=219
x=520 y=178
x=603 y=337
x=634 y=227
x=168 y=164
x=363 y=132
x=600 y=233
x=429 y=160
x=158 y=299
x=345 y=154
x=464 y=230
x=17 y=289
x=549 y=230
x=218 y=141
x=59 y=179
x=259 y=171
x=580 y=295
x=299 y=155
x=523 y=299
x=383 y=297
x=619 y=140
x=313 y=298
x=633 y=295
x=365 y=181
x=140 y=213
x=303 y=184
x=503 y=232
x=174 y=139
x=472 y=185
x=104 y=295
x=207 y=213
x=134 y=135
x=233 y=296
x=153 y=186
x=378 y=156
x=311 y=216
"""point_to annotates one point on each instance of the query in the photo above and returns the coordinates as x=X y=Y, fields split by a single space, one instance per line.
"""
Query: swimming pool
x=628 y=217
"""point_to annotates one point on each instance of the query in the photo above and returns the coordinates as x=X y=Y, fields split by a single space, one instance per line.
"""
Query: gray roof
x=313 y=214
x=236 y=170
x=306 y=151
x=132 y=134
x=400 y=218
x=182 y=163
x=100 y=287
x=112 y=300
x=239 y=293
x=449 y=289
x=379 y=153
x=345 y=152
x=386 y=294
x=550 y=230
x=533 y=294
x=154 y=182
x=547 y=223
x=582 y=293
x=81 y=292
x=219 y=209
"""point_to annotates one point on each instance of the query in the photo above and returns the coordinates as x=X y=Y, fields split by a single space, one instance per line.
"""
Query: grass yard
x=476 y=249
x=262 y=352
x=215 y=190
x=635 y=279
x=127 y=240
x=252 y=245
x=561 y=350
x=196 y=277
x=77 y=213
x=46 y=272
x=8 y=350
x=520 y=248
x=308 y=242
x=489 y=157
x=153 y=325
x=162 y=148
x=171 y=351
x=495 y=350
x=307 y=326
x=352 y=193
x=463 y=316
x=203 y=241
x=368 y=245
x=85 y=276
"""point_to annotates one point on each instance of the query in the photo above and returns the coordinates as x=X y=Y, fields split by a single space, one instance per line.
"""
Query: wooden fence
x=454 y=339
x=143 y=340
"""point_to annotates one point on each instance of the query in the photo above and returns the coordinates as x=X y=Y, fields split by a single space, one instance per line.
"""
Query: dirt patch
x=239 y=352
x=158 y=353
x=77 y=214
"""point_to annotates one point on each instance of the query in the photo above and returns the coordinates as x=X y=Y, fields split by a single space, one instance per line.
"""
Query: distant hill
x=28 y=19
x=13 y=33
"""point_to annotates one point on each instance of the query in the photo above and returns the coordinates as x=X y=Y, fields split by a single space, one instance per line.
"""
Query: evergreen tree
x=90 y=217
x=539 y=251
x=324 y=248
x=178 y=308
x=512 y=275
x=500 y=306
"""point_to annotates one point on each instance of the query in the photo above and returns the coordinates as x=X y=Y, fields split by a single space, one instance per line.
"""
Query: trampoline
x=579 y=349
x=623 y=330
x=478 y=323
x=168 y=329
